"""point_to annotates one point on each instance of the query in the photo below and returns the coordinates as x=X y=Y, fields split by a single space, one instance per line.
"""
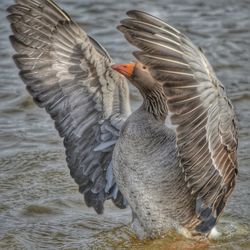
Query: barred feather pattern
x=68 y=73
x=201 y=114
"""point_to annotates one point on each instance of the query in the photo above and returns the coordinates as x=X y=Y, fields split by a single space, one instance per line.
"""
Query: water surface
x=40 y=207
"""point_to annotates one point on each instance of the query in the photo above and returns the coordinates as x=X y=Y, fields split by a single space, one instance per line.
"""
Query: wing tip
x=95 y=200
x=131 y=13
x=10 y=8
x=137 y=13
x=206 y=226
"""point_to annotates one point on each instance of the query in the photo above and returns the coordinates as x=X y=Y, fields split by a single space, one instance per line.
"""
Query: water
x=40 y=206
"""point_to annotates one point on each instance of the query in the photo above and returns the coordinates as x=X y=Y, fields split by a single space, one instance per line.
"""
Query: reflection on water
x=40 y=206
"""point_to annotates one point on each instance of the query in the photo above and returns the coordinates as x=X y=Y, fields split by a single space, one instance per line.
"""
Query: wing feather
x=69 y=74
x=203 y=116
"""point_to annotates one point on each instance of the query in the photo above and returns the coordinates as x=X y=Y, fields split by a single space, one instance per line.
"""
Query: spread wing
x=203 y=116
x=69 y=74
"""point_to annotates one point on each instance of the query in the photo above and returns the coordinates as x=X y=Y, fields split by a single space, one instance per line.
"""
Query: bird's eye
x=144 y=67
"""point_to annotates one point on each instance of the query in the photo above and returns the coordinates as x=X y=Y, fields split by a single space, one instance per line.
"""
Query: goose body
x=138 y=159
x=174 y=160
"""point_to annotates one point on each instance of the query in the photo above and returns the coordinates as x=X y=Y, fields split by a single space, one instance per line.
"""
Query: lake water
x=40 y=207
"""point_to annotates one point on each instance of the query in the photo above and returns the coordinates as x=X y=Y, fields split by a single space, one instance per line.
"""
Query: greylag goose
x=173 y=161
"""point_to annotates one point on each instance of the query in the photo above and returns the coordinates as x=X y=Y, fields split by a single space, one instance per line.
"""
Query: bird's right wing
x=69 y=74
x=202 y=115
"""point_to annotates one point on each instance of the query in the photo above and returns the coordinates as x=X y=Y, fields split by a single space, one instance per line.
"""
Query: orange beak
x=125 y=69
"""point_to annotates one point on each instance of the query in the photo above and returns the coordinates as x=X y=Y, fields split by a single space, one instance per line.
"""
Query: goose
x=173 y=161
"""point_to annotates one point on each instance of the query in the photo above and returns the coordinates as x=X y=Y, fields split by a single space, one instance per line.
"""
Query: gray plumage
x=200 y=113
x=69 y=75
x=174 y=159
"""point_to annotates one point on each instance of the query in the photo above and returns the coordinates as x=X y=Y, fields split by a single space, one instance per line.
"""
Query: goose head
x=138 y=74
